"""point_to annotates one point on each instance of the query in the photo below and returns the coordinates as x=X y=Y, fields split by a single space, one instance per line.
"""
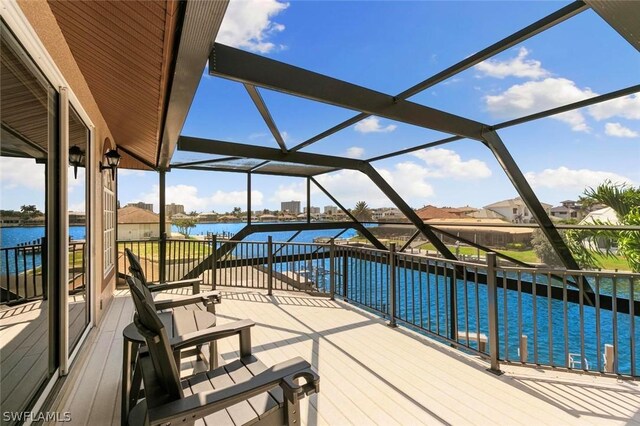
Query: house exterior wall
x=137 y=231
x=39 y=16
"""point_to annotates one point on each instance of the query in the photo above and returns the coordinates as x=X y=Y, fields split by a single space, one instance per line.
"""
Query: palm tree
x=362 y=212
x=625 y=201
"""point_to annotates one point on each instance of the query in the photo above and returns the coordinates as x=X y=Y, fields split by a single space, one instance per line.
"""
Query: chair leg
x=292 y=412
x=199 y=353
x=213 y=355
x=178 y=358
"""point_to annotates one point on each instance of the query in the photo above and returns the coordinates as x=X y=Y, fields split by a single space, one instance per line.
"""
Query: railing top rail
x=571 y=272
x=22 y=247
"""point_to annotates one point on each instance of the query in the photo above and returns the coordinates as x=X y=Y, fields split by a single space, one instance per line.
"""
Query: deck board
x=370 y=373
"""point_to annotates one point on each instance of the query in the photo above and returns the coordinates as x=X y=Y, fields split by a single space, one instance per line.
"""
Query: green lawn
x=151 y=249
x=529 y=256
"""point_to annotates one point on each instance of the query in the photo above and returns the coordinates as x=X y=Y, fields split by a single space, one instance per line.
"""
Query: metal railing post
x=162 y=253
x=163 y=227
x=269 y=265
x=44 y=268
x=492 y=296
x=214 y=265
x=332 y=269
x=392 y=285
x=345 y=274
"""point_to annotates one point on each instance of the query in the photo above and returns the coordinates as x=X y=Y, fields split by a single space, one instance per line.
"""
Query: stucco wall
x=39 y=15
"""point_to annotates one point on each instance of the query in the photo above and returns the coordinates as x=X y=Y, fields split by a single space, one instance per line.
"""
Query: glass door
x=78 y=211
x=29 y=314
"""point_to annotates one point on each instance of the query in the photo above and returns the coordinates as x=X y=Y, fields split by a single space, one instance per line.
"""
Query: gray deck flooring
x=370 y=373
x=24 y=339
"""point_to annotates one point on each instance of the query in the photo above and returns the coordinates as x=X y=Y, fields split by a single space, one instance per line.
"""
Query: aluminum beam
x=201 y=162
x=255 y=172
x=518 y=37
x=538 y=115
x=238 y=65
x=409 y=213
x=576 y=105
x=266 y=115
x=263 y=228
x=207 y=146
x=415 y=148
x=363 y=229
x=508 y=164
x=410 y=240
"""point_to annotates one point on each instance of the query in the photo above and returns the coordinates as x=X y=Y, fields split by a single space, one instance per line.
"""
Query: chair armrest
x=214 y=333
x=205 y=403
x=208 y=298
x=170 y=285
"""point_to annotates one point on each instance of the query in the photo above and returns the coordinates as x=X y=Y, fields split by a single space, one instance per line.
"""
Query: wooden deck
x=370 y=373
x=24 y=347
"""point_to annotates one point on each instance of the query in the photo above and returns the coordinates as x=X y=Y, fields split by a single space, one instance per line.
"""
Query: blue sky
x=390 y=46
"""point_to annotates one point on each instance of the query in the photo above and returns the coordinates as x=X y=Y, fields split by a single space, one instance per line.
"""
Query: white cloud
x=188 y=195
x=563 y=177
x=519 y=66
x=444 y=163
x=535 y=96
x=248 y=24
x=350 y=186
x=21 y=173
x=619 y=131
x=355 y=152
x=372 y=125
x=288 y=192
x=625 y=107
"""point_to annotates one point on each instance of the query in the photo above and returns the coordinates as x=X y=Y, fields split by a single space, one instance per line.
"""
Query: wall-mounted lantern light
x=112 y=159
x=76 y=159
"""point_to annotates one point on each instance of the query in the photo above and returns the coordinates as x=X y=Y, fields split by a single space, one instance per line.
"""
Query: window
x=109 y=219
x=515 y=210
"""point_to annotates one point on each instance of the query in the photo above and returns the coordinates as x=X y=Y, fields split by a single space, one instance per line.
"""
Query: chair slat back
x=135 y=267
x=151 y=327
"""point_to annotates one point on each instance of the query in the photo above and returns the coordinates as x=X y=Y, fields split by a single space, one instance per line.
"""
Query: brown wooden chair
x=242 y=392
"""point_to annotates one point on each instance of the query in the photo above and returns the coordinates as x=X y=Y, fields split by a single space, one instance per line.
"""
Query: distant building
x=485 y=214
x=180 y=216
x=568 y=209
x=135 y=223
x=605 y=215
x=207 y=217
x=10 y=220
x=515 y=210
x=432 y=212
x=228 y=218
x=330 y=210
x=77 y=218
x=141 y=205
x=171 y=209
x=267 y=218
x=313 y=210
x=291 y=207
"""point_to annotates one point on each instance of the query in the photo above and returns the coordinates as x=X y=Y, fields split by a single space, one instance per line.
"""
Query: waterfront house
x=515 y=210
x=208 y=217
x=135 y=223
x=603 y=216
x=568 y=209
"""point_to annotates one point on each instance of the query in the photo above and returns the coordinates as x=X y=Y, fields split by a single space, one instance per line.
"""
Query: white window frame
x=108 y=224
